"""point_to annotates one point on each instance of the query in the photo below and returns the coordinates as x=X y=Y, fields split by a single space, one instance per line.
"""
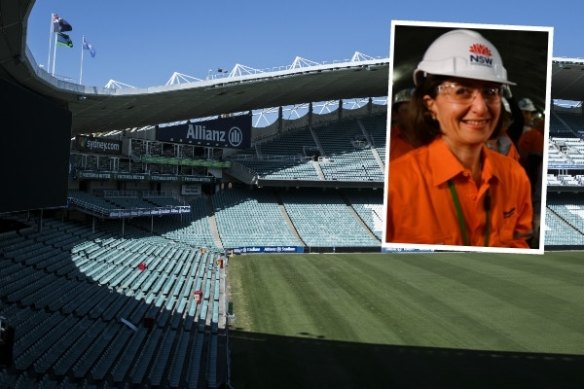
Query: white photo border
x=403 y=247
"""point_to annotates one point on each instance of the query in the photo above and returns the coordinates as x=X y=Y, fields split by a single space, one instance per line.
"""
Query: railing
x=129 y=212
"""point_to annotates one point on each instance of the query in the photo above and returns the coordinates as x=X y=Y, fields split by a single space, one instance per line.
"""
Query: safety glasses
x=465 y=94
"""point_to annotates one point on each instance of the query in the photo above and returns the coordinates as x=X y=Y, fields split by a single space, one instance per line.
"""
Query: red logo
x=478 y=48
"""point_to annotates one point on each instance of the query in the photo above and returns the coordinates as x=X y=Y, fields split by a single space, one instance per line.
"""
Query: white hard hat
x=525 y=104
x=465 y=54
x=403 y=96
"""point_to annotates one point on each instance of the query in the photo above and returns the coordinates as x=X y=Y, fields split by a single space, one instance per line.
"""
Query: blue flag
x=89 y=47
x=64 y=40
x=60 y=24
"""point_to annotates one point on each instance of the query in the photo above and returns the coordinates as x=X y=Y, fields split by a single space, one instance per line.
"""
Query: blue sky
x=142 y=43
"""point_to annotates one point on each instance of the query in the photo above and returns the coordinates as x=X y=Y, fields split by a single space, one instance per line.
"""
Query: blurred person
x=400 y=141
x=531 y=148
x=528 y=109
x=516 y=126
x=500 y=141
x=454 y=190
x=531 y=142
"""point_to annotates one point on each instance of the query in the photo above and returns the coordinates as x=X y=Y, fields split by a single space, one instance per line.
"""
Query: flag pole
x=54 y=55
x=48 y=67
x=81 y=67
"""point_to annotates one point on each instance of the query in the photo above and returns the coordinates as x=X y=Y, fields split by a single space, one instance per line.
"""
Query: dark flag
x=60 y=24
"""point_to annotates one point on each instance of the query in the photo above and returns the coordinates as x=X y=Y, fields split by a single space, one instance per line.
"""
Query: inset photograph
x=468 y=129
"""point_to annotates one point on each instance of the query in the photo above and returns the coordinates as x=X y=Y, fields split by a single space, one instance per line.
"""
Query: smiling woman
x=452 y=190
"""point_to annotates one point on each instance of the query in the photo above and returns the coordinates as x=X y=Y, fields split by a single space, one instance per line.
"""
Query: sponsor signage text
x=231 y=132
x=98 y=145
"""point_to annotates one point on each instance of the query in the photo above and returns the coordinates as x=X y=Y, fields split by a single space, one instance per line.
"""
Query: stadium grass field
x=407 y=320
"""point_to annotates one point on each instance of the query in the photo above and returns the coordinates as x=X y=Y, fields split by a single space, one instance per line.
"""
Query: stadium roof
x=103 y=109
x=568 y=79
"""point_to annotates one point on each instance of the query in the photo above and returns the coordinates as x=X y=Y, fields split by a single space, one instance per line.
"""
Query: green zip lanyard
x=460 y=216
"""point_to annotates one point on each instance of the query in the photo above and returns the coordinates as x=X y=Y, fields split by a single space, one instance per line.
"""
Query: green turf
x=316 y=306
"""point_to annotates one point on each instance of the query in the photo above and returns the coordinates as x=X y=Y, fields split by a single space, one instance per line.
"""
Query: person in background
x=500 y=141
x=531 y=148
x=516 y=127
x=528 y=109
x=400 y=141
x=531 y=142
x=454 y=190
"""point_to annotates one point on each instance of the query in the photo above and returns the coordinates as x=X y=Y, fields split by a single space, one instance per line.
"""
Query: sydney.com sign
x=231 y=132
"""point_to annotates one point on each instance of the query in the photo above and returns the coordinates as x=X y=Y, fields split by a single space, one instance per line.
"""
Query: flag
x=64 y=40
x=60 y=24
x=88 y=46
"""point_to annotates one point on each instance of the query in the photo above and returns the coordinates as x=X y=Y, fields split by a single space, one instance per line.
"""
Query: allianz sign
x=231 y=132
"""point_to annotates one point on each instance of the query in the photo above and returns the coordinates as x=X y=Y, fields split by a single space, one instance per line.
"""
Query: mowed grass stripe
x=439 y=312
x=568 y=268
x=540 y=272
x=309 y=300
x=260 y=298
x=328 y=303
x=572 y=260
x=328 y=311
x=385 y=309
x=363 y=305
x=535 y=313
x=535 y=283
x=444 y=300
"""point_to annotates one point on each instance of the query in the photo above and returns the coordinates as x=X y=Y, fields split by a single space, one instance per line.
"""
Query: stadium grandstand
x=119 y=279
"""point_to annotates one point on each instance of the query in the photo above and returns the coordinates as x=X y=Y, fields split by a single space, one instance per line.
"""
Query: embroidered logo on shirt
x=509 y=213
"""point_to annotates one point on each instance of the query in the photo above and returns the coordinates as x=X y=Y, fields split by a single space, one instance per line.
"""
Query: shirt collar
x=445 y=165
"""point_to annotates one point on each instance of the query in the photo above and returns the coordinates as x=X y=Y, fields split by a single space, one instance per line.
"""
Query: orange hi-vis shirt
x=513 y=152
x=531 y=142
x=421 y=210
x=398 y=144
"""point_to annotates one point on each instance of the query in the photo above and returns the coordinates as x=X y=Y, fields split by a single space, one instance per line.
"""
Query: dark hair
x=423 y=127
x=421 y=123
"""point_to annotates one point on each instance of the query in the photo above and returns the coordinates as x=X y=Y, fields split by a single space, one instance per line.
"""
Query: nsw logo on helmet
x=480 y=55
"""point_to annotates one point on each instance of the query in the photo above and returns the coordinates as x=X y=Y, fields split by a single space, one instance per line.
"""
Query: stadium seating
x=283 y=169
x=355 y=166
x=570 y=208
x=291 y=156
x=376 y=127
x=559 y=233
x=77 y=299
x=287 y=157
x=251 y=219
x=347 y=160
x=293 y=143
x=191 y=228
x=115 y=204
x=566 y=151
x=325 y=220
x=369 y=206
